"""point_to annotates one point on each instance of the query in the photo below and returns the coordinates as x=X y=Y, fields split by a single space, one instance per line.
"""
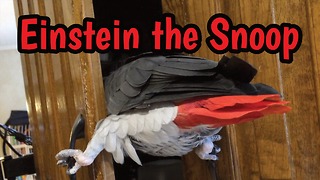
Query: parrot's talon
x=73 y=158
x=62 y=163
x=210 y=157
x=216 y=137
x=208 y=150
x=217 y=149
x=215 y=158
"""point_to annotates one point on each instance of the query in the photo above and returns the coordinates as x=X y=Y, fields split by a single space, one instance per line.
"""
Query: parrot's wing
x=153 y=79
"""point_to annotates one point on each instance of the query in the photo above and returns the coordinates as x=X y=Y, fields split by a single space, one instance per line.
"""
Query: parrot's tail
x=225 y=110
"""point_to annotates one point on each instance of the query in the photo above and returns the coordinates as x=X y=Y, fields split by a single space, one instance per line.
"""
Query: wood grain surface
x=279 y=146
x=59 y=87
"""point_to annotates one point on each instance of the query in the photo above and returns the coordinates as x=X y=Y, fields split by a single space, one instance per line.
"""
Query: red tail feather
x=225 y=110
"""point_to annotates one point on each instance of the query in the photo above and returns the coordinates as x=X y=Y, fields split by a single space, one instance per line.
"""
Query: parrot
x=171 y=104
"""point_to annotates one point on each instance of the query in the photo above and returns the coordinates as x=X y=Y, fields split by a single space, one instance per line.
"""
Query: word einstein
x=35 y=34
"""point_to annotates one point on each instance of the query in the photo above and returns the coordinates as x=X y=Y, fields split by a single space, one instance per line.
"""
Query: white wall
x=12 y=93
x=8 y=29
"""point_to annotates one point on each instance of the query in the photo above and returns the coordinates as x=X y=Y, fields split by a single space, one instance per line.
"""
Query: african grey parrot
x=168 y=105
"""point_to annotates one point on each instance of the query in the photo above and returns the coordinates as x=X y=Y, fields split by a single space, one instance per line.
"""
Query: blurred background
x=12 y=96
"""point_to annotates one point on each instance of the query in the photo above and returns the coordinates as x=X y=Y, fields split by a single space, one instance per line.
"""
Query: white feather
x=171 y=129
x=148 y=121
x=122 y=131
x=114 y=126
x=149 y=137
x=114 y=117
x=132 y=126
x=101 y=125
x=164 y=136
x=174 y=112
x=111 y=142
x=142 y=137
x=140 y=124
x=166 y=116
x=157 y=123
x=118 y=154
x=131 y=151
x=105 y=130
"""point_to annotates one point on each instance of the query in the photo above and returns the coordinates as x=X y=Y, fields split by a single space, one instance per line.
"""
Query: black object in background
x=17 y=118
x=140 y=14
x=17 y=167
x=23 y=165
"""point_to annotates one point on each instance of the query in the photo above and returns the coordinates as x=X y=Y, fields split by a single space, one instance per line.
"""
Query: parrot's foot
x=209 y=157
x=74 y=159
x=207 y=150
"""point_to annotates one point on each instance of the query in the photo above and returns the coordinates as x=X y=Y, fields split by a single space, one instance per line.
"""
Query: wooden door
x=276 y=147
x=59 y=87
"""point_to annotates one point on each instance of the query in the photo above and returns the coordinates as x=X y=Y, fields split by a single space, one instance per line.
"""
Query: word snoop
x=284 y=39
x=35 y=34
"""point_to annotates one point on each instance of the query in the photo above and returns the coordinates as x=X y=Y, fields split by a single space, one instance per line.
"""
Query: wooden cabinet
x=59 y=86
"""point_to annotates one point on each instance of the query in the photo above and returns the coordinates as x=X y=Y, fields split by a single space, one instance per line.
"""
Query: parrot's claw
x=210 y=157
x=216 y=137
x=216 y=149
x=74 y=159
x=208 y=150
x=62 y=163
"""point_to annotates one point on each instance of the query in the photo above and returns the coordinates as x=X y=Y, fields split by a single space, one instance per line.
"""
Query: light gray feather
x=111 y=142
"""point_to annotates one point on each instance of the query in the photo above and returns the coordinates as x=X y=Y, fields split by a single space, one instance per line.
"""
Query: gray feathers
x=172 y=142
x=154 y=79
